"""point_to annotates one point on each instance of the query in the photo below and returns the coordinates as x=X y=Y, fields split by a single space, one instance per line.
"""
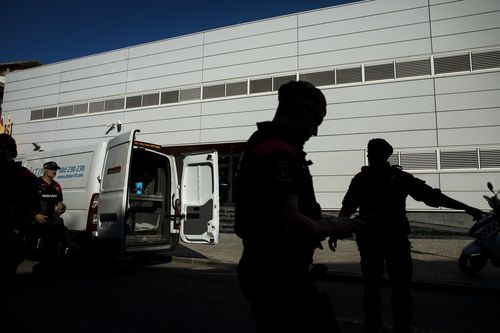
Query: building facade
x=423 y=74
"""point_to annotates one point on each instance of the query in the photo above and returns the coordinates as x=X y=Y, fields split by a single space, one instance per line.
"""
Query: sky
x=49 y=31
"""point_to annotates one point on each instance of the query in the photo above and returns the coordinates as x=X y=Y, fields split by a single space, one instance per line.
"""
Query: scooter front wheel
x=472 y=264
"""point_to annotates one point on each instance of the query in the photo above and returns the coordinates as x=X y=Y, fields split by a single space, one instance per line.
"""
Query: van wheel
x=472 y=264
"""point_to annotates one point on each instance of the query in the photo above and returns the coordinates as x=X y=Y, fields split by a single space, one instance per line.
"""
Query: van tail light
x=177 y=207
x=92 y=216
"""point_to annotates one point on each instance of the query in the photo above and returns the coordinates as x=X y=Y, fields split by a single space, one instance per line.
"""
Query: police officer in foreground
x=279 y=220
x=49 y=227
x=380 y=191
x=19 y=203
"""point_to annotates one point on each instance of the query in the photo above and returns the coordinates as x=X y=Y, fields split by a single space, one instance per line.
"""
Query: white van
x=125 y=195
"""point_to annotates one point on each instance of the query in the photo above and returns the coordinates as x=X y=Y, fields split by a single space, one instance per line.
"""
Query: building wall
x=425 y=116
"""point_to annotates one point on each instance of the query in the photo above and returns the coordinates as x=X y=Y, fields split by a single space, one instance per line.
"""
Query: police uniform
x=383 y=243
x=50 y=195
x=273 y=269
x=53 y=232
x=19 y=204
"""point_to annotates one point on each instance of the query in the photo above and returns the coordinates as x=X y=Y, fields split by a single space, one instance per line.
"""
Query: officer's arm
x=298 y=224
x=433 y=197
x=350 y=203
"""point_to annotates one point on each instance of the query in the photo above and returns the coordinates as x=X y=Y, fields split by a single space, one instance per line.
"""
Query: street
x=180 y=296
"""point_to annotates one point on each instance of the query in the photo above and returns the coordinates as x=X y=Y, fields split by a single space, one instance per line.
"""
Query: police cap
x=51 y=165
x=380 y=147
x=8 y=142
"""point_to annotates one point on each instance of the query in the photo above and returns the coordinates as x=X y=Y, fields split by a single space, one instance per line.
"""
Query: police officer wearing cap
x=279 y=221
x=49 y=227
x=380 y=191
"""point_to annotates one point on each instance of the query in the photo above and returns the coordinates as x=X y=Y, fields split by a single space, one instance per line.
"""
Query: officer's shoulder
x=274 y=146
x=398 y=171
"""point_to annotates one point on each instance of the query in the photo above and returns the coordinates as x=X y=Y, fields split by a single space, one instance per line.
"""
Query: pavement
x=435 y=252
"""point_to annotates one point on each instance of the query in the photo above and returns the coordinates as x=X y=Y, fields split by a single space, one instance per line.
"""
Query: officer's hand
x=332 y=243
x=40 y=218
x=343 y=227
x=476 y=214
x=61 y=208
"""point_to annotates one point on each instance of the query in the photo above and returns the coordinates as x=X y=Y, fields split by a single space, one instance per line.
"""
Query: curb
x=449 y=286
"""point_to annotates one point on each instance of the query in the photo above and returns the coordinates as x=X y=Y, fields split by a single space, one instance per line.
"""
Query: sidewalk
x=434 y=258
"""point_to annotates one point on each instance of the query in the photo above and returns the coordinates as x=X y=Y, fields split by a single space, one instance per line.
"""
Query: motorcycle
x=486 y=245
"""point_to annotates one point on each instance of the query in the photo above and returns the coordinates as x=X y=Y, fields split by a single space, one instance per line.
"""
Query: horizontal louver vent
x=189 y=94
x=379 y=72
x=485 y=60
x=151 y=99
x=168 y=97
x=458 y=63
x=134 y=101
x=65 y=111
x=280 y=80
x=236 y=88
x=325 y=78
x=261 y=85
x=413 y=68
x=419 y=161
x=215 y=91
x=394 y=159
x=114 y=104
x=490 y=158
x=466 y=159
x=348 y=75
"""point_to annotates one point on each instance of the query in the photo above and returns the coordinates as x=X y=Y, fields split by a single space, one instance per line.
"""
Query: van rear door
x=200 y=198
x=113 y=197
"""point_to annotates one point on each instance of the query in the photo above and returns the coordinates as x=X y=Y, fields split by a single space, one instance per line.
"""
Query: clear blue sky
x=55 y=30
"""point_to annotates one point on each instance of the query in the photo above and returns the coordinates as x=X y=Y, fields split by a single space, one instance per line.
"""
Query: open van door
x=200 y=198
x=113 y=197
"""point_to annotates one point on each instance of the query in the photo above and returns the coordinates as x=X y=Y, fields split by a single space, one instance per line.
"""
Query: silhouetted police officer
x=18 y=205
x=279 y=220
x=380 y=191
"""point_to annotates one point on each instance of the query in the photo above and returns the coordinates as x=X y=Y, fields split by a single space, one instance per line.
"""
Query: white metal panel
x=94 y=71
x=166 y=45
x=94 y=60
x=400 y=139
x=92 y=120
x=40 y=71
x=468 y=100
x=380 y=91
x=171 y=81
x=167 y=57
x=27 y=148
x=365 y=53
x=31 y=83
x=169 y=125
x=379 y=124
x=174 y=68
x=336 y=162
x=466 y=83
x=357 y=9
x=172 y=138
x=32 y=103
x=162 y=113
x=362 y=39
x=454 y=9
x=38 y=137
x=330 y=200
x=371 y=108
x=466 y=24
x=82 y=133
x=469 y=136
x=245 y=43
x=251 y=55
x=466 y=41
x=238 y=105
x=236 y=119
x=20 y=117
x=96 y=81
x=467 y=181
x=251 y=29
x=331 y=183
x=469 y=118
x=234 y=134
x=92 y=93
x=353 y=27
x=51 y=89
x=251 y=69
